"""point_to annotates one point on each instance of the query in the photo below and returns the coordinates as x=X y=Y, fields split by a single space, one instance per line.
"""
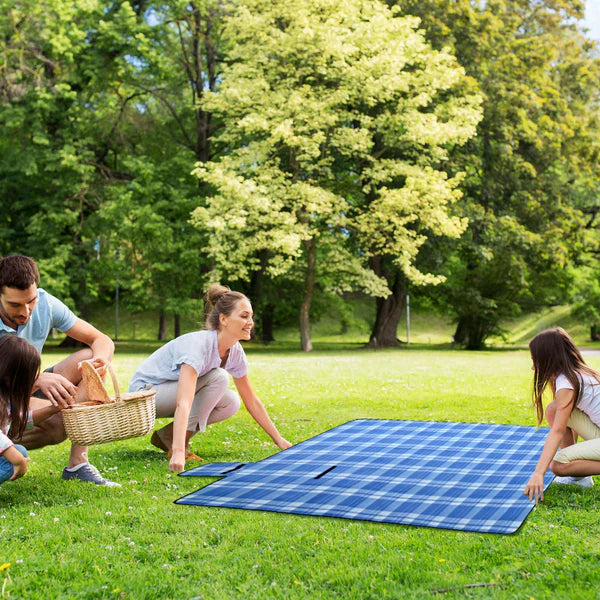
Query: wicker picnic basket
x=130 y=415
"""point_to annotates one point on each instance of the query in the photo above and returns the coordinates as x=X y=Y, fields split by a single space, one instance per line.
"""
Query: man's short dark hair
x=18 y=271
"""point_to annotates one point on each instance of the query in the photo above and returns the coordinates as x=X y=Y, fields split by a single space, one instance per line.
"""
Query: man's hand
x=58 y=389
x=99 y=364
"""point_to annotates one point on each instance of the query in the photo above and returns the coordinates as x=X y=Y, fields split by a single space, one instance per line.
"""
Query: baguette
x=93 y=384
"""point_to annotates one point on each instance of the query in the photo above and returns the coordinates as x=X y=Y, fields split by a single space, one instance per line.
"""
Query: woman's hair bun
x=220 y=300
x=215 y=292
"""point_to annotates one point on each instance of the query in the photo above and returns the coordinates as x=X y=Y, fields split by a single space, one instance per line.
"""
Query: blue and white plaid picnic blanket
x=463 y=476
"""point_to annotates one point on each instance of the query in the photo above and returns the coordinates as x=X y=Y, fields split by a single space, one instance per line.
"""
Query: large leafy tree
x=68 y=119
x=337 y=115
x=101 y=128
x=176 y=61
x=538 y=137
x=46 y=159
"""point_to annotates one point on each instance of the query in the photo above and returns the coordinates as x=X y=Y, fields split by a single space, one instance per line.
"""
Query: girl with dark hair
x=191 y=377
x=574 y=412
x=19 y=368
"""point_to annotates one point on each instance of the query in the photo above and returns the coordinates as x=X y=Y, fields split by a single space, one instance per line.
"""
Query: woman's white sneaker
x=585 y=482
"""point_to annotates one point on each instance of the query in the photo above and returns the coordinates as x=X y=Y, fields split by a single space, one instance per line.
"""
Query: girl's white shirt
x=589 y=402
x=5 y=441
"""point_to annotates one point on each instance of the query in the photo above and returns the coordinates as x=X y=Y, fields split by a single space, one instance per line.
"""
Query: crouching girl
x=19 y=368
x=574 y=412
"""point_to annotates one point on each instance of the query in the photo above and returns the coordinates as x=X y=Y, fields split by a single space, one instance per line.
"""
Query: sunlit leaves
x=337 y=114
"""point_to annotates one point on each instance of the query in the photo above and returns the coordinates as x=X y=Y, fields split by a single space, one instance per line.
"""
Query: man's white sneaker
x=584 y=482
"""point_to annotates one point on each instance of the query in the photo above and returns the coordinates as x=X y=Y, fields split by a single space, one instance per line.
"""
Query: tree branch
x=174 y=114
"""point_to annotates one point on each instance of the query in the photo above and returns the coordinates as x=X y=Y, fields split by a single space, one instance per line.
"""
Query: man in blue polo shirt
x=31 y=313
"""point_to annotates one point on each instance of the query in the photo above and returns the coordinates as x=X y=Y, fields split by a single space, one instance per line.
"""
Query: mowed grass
x=71 y=540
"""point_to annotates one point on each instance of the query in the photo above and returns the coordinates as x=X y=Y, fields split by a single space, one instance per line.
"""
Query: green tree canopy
x=100 y=131
x=337 y=115
x=537 y=140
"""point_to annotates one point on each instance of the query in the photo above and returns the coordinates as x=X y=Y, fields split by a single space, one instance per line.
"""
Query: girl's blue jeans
x=6 y=468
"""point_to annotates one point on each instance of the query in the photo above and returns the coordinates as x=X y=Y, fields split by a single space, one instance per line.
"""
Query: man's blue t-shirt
x=48 y=313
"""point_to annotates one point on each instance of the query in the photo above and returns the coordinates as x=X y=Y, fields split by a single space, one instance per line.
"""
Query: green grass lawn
x=72 y=540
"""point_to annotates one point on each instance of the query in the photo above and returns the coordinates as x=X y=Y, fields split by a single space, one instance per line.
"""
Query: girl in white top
x=191 y=377
x=574 y=412
x=19 y=368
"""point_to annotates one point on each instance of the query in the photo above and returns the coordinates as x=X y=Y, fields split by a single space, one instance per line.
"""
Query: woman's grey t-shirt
x=198 y=349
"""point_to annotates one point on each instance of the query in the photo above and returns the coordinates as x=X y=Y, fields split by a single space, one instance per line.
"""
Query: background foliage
x=302 y=150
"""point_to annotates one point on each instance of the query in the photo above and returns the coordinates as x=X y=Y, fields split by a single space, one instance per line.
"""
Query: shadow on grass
x=135 y=455
x=353 y=347
x=147 y=347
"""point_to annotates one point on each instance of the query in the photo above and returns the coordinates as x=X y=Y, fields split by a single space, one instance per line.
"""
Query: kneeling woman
x=575 y=412
x=190 y=376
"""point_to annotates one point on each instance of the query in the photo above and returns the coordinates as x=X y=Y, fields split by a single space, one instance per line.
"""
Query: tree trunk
x=255 y=292
x=78 y=266
x=471 y=330
x=266 y=323
x=389 y=310
x=460 y=335
x=311 y=259
x=202 y=69
x=176 y=325
x=162 y=326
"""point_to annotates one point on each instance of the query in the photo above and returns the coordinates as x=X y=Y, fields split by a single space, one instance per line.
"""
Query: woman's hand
x=535 y=487
x=177 y=462
x=186 y=384
x=283 y=443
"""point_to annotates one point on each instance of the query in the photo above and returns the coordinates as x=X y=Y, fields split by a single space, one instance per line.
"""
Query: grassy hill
x=521 y=330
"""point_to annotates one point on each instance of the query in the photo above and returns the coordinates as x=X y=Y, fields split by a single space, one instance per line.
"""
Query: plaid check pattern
x=463 y=476
x=217 y=469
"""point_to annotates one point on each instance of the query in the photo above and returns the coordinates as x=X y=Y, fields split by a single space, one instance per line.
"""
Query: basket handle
x=113 y=376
